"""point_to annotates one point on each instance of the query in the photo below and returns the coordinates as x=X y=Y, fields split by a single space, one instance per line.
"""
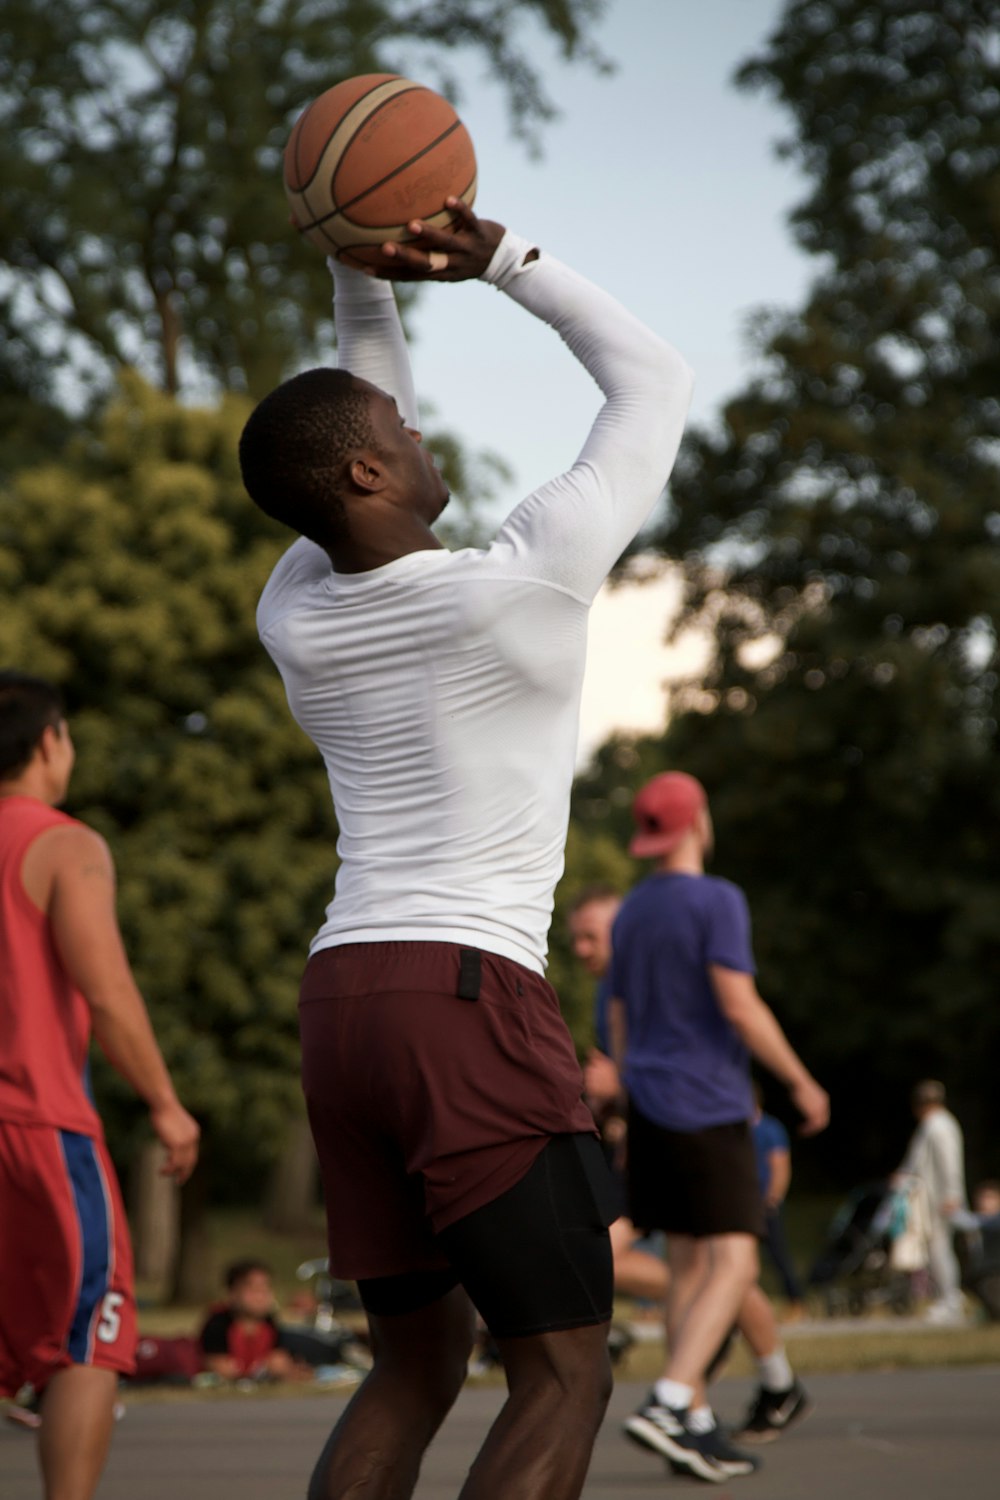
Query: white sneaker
x=945 y=1314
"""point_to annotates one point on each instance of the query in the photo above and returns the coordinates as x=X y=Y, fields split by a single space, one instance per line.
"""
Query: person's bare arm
x=617 y=1032
x=601 y=1081
x=81 y=910
x=223 y=1365
x=757 y=1025
x=779 y=1163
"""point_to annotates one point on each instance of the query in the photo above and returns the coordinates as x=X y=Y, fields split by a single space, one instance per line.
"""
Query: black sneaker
x=717 y=1445
x=663 y=1430
x=771 y=1412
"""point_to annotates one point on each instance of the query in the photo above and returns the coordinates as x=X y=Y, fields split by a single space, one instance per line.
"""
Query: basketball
x=368 y=156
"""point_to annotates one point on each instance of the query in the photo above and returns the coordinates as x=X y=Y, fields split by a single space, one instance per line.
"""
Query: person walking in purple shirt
x=685 y=1018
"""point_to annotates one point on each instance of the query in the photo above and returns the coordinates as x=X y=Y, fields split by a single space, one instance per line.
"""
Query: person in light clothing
x=935 y=1157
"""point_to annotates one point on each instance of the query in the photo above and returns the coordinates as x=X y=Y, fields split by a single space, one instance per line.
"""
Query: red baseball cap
x=664 y=810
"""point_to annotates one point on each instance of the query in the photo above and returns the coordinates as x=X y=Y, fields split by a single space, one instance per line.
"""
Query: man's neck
x=681 y=863
x=363 y=554
x=28 y=786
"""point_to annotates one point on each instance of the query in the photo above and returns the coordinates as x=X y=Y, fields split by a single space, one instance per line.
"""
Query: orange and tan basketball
x=368 y=156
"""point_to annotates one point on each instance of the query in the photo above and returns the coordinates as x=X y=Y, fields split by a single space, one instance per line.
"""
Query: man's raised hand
x=458 y=254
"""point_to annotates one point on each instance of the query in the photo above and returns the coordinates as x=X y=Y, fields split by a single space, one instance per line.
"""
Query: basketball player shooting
x=442 y=690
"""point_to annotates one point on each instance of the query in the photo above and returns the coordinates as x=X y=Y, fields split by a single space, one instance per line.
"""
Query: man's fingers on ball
x=461 y=208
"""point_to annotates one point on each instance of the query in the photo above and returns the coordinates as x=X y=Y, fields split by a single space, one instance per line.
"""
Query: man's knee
x=569 y=1370
x=737 y=1257
x=428 y=1348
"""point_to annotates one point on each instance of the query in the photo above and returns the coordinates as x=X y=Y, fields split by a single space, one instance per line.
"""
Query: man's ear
x=48 y=744
x=367 y=472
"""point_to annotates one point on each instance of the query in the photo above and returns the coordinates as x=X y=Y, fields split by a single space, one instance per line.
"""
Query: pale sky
x=662 y=184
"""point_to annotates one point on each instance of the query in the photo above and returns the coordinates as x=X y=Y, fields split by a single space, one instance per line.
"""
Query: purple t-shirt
x=685 y=1066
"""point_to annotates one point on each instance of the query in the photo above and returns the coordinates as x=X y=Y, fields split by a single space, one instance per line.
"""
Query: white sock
x=775 y=1371
x=673 y=1393
x=701 y=1419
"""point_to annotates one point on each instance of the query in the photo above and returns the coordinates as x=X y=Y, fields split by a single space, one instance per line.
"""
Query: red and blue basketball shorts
x=66 y=1282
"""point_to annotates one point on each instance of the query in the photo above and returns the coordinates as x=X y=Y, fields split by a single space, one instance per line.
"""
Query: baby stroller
x=977 y=1245
x=345 y=1345
x=870 y=1253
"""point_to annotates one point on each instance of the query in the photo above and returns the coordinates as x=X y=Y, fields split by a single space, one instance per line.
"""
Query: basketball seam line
x=343 y=252
x=342 y=208
x=349 y=111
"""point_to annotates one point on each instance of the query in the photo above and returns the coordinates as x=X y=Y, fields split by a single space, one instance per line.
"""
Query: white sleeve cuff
x=508 y=260
x=352 y=285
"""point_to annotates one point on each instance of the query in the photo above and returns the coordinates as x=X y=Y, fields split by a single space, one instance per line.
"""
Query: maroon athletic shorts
x=433 y=1075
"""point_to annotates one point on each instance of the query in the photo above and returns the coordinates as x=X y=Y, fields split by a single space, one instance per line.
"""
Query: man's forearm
x=576 y=527
x=124 y=1034
x=617 y=1033
x=759 y=1029
x=370 y=339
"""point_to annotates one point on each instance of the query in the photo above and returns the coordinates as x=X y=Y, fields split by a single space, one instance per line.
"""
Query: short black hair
x=28 y=706
x=294 y=448
x=241 y=1269
x=592 y=894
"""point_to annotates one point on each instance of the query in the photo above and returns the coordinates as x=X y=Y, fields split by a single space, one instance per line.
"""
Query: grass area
x=874 y=1348
x=236 y=1234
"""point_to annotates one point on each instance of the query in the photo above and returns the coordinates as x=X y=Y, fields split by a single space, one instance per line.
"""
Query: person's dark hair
x=28 y=706
x=294 y=448
x=238 y=1272
x=930 y=1091
x=598 y=892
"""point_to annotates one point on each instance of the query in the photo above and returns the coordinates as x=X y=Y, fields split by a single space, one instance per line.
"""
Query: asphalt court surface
x=886 y=1435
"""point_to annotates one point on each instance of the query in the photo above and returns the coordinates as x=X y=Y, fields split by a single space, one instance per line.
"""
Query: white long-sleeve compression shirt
x=443 y=688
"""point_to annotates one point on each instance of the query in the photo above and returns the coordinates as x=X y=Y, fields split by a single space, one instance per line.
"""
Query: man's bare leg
x=757 y=1323
x=713 y=1281
x=689 y=1264
x=73 y=1441
x=375 y=1450
x=638 y=1273
x=540 y=1445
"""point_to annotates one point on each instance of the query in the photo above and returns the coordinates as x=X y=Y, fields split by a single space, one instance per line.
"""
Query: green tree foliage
x=846 y=519
x=143 y=221
x=136 y=561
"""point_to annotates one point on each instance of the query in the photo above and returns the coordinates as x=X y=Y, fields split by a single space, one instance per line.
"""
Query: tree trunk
x=195 y=1278
x=290 y=1202
x=155 y=1217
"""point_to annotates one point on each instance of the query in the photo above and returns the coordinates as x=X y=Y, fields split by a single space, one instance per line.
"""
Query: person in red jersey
x=67 y=1308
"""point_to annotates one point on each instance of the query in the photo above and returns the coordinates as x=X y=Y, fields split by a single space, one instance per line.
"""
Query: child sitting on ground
x=242 y=1340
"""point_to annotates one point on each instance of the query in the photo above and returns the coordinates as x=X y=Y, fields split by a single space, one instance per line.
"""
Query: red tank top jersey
x=44 y=1019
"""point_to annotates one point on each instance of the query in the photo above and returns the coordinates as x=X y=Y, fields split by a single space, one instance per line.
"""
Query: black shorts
x=535 y=1260
x=701 y=1182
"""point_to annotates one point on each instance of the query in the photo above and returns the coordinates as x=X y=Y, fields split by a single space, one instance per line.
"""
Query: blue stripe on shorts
x=87 y=1182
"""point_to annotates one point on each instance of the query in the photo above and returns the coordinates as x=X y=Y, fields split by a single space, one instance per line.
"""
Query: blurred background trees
x=839 y=533
x=143 y=221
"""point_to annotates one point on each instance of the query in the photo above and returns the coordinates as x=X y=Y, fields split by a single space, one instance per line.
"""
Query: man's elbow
x=673 y=376
x=741 y=1011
